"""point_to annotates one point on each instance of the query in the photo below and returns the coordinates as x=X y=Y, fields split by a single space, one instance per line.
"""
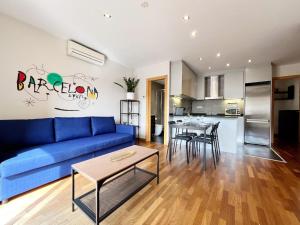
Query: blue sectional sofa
x=35 y=152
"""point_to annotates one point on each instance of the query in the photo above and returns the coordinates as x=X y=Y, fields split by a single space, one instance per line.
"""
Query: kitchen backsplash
x=180 y=102
x=214 y=106
x=203 y=106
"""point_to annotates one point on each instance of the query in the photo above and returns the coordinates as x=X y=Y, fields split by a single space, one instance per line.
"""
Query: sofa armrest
x=125 y=129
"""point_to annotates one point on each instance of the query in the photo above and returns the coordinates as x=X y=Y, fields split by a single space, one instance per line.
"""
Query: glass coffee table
x=116 y=178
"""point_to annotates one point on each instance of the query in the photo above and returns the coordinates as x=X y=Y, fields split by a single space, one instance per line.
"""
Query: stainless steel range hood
x=214 y=87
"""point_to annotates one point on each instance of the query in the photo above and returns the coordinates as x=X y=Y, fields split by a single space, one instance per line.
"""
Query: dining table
x=189 y=126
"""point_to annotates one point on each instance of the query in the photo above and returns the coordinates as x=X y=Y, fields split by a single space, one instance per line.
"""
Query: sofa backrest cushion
x=16 y=134
x=68 y=128
x=103 y=125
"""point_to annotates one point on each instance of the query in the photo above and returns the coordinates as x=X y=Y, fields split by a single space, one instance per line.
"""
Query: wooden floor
x=288 y=149
x=243 y=190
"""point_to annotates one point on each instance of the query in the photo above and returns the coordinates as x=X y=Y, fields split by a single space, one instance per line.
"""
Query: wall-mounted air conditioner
x=84 y=53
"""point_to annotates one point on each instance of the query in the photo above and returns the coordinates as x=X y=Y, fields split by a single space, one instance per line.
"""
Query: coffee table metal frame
x=96 y=218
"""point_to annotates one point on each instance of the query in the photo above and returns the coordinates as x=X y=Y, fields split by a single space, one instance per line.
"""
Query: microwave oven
x=232 y=109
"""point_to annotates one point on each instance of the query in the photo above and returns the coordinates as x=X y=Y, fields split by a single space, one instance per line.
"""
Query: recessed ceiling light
x=193 y=33
x=145 y=4
x=186 y=18
x=218 y=55
x=200 y=59
x=249 y=61
x=107 y=15
x=209 y=67
x=227 y=64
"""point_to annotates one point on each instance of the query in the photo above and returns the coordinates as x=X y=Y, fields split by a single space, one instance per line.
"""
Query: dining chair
x=184 y=132
x=215 y=137
x=211 y=139
x=179 y=137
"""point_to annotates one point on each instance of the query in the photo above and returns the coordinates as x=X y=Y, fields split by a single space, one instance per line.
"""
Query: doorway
x=286 y=116
x=156 y=116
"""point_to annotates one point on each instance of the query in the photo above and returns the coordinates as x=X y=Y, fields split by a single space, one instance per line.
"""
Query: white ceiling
x=263 y=30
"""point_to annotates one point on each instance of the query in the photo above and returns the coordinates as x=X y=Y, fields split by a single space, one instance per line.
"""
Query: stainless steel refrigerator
x=258 y=113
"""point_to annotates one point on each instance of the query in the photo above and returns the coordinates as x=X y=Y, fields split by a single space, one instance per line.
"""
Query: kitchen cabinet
x=176 y=78
x=234 y=84
x=183 y=80
x=200 y=88
x=258 y=73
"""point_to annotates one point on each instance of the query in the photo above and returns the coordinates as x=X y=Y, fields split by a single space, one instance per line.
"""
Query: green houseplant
x=131 y=83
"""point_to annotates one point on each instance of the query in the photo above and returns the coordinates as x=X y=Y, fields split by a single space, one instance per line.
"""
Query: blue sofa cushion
x=39 y=156
x=71 y=128
x=126 y=129
x=15 y=134
x=103 y=125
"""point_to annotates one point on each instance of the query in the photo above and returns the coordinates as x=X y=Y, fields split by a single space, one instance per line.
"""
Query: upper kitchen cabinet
x=200 y=88
x=183 y=80
x=258 y=73
x=234 y=84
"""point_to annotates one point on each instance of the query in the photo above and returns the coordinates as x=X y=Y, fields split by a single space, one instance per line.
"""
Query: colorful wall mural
x=39 y=85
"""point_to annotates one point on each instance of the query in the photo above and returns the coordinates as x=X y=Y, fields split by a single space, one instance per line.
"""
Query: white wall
x=22 y=46
x=286 y=70
x=143 y=73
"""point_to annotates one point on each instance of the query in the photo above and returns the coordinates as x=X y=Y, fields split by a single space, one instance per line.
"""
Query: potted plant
x=131 y=83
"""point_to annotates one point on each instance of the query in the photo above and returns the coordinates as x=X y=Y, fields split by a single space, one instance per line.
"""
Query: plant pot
x=130 y=96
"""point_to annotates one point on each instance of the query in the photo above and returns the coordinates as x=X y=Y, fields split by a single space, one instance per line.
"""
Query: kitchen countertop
x=208 y=115
x=230 y=131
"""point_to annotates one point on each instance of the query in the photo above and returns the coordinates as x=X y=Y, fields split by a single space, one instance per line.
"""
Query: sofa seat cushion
x=68 y=128
x=39 y=156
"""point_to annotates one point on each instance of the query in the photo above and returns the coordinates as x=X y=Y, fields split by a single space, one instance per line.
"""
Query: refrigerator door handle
x=261 y=121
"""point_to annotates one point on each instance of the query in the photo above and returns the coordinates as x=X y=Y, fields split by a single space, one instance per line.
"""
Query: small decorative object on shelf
x=288 y=94
x=131 y=84
x=130 y=114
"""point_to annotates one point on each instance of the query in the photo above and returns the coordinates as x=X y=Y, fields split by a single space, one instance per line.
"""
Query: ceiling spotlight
x=186 y=18
x=249 y=61
x=107 y=15
x=218 y=55
x=145 y=4
x=227 y=64
x=200 y=59
x=193 y=33
x=209 y=67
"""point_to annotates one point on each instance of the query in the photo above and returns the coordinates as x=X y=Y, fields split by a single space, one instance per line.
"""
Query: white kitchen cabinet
x=183 y=80
x=229 y=141
x=258 y=73
x=234 y=84
x=176 y=78
x=200 y=87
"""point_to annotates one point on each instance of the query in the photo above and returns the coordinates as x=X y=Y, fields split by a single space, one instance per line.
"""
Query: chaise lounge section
x=38 y=151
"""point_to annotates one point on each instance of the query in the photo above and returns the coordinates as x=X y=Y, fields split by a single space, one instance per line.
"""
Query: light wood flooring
x=242 y=190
